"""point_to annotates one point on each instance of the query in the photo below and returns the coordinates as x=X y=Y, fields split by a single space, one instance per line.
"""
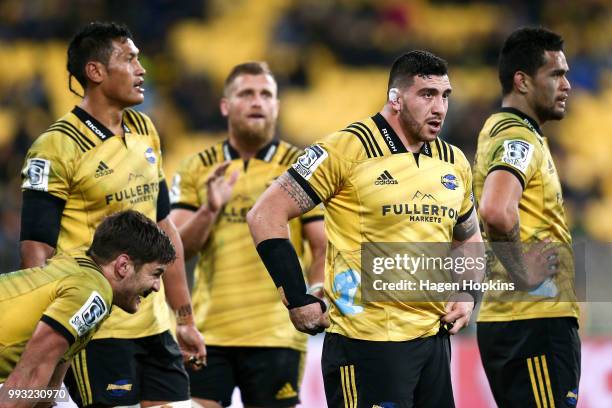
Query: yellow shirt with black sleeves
x=235 y=302
x=375 y=191
x=69 y=293
x=513 y=142
x=96 y=173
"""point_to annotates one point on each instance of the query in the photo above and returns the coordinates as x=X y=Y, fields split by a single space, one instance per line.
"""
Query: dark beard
x=545 y=113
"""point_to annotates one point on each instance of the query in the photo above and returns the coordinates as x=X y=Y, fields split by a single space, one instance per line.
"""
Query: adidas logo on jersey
x=103 y=170
x=385 y=178
x=285 y=392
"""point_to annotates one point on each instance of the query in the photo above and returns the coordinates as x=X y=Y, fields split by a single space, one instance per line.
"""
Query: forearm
x=25 y=377
x=195 y=231
x=508 y=249
x=175 y=280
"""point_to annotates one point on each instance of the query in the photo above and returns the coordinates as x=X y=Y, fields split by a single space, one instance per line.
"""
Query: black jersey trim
x=508 y=125
x=87 y=142
x=135 y=121
x=465 y=216
x=512 y=170
x=87 y=263
x=452 y=154
x=184 y=206
x=290 y=155
x=70 y=135
x=41 y=216
x=92 y=124
x=163 y=201
x=209 y=157
x=143 y=120
x=312 y=218
x=58 y=327
x=530 y=121
x=391 y=138
x=361 y=139
x=203 y=159
x=267 y=152
x=369 y=137
x=305 y=186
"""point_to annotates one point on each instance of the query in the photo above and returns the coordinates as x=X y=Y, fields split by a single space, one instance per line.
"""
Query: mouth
x=139 y=87
x=434 y=124
x=256 y=116
x=561 y=100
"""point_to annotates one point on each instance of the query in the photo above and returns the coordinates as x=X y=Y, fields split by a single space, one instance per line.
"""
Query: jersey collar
x=391 y=138
x=532 y=124
x=265 y=153
x=94 y=125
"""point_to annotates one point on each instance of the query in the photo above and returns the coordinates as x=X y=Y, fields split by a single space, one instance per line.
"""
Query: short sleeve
x=78 y=307
x=316 y=214
x=515 y=150
x=185 y=188
x=322 y=169
x=49 y=165
x=468 y=196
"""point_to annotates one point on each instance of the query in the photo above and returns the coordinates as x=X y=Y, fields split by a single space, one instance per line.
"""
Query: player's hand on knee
x=311 y=318
x=458 y=312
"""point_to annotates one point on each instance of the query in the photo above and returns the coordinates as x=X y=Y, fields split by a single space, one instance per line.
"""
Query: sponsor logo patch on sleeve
x=175 y=190
x=36 y=174
x=89 y=314
x=518 y=153
x=311 y=159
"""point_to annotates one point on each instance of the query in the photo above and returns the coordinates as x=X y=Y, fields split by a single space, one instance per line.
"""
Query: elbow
x=498 y=217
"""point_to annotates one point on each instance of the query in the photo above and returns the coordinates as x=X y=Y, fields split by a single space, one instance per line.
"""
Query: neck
x=411 y=143
x=521 y=103
x=107 y=114
x=246 y=148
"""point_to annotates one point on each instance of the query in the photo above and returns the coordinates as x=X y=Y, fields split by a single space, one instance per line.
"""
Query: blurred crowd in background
x=331 y=59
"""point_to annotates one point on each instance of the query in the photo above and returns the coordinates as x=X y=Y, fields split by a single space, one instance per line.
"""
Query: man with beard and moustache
x=100 y=158
x=528 y=340
x=393 y=352
x=251 y=342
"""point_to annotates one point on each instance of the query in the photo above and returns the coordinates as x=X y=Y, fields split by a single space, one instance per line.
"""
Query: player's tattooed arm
x=467 y=228
x=184 y=314
x=293 y=189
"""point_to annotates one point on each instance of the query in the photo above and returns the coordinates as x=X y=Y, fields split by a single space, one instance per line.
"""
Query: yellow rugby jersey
x=512 y=141
x=234 y=299
x=69 y=293
x=97 y=173
x=375 y=190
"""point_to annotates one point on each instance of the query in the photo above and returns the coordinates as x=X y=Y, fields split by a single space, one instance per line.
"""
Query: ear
x=521 y=82
x=95 y=71
x=224 y=107
x=122 y=266
x=394 y=99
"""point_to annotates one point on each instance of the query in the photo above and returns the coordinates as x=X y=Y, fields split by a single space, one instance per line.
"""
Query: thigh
x=435 y=389
x=105 y=373
x=216 y=381
x=163 y=375
x=532 y=363
x=368 y=373
x=269 y=376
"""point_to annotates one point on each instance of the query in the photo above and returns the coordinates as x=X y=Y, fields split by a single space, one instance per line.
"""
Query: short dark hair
x=524 y=51
x=413 y=63
x=132 y=233
x=92 y=42
x=247 y=68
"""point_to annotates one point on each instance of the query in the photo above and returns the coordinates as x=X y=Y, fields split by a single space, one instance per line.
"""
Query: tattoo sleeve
x=296 y=192
x=508 y=249
x=184 y=314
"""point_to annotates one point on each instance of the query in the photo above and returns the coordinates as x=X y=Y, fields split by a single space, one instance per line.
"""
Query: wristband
x=283 y=265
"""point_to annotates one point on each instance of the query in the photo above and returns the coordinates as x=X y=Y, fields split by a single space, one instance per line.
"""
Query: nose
x=565 y=84
x=140 y=69
x=439 y=106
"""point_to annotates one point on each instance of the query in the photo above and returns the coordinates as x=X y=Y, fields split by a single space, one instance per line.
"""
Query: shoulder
x=63 y=138
x=141 y=122
x=355 y=142
x=287 y=153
